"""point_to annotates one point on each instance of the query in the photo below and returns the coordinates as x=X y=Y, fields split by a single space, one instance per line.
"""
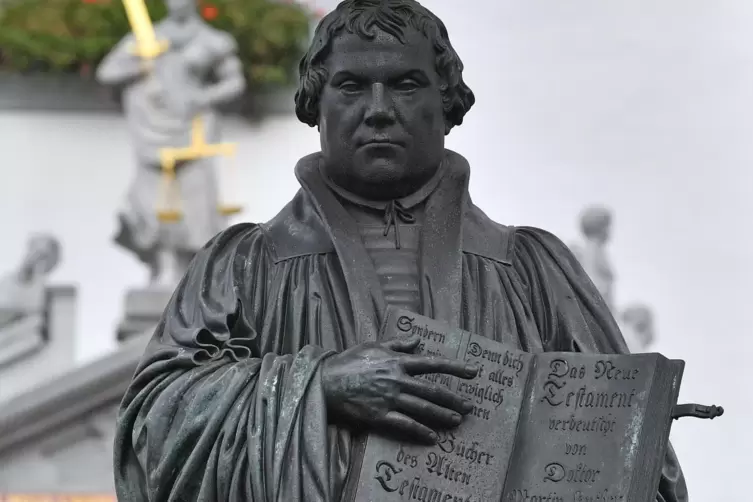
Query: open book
x=554 y=426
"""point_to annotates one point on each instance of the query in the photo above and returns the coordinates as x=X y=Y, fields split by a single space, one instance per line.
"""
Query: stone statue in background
x=596 y=225
x=22 y=291
x=23 y=303
x=199 y=71
x=637 y=325
x=636 y=321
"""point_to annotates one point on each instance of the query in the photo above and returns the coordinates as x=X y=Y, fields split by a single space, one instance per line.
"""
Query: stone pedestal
x=22 y=338
x=143 y=310
x=58 y=437
x=39 y=346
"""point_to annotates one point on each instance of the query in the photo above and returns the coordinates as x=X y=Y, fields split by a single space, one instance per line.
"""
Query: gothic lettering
x=508 y=359
x=607 y=370
x=551 y=387
x=583 y=398
x=575 y=449
x=482 y=393
x=443 y=467
x=603 y=424
x=499 y=377
x=581 y=473
x=405 y=324
x=406 y=459
x=598 y=496
x=385 y=473
x=419 y=490
x=449 y=443
x=525 y=496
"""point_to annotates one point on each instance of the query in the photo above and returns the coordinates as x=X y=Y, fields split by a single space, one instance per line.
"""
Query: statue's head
x=596 y=223
x=641 y=319
x=181 y=9
x=42 y=256
x=384 y=86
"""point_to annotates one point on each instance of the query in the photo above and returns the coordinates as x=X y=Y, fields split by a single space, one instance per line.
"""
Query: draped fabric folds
x=227 y=402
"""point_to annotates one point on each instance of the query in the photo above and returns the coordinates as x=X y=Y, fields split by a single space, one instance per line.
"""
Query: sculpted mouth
x=381 y=141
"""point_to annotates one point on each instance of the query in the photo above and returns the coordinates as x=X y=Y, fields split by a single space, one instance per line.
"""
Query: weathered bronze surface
x=266 y=372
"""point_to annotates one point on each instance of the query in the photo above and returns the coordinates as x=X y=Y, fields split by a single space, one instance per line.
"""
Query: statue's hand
x=196 y=104
x=155 y=92
x=373 y=384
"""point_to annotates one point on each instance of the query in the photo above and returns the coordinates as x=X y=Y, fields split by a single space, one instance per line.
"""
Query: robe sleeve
x=572 y=316
x=208 y=417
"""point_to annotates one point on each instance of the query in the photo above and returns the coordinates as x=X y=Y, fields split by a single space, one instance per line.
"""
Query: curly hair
x=364 y=18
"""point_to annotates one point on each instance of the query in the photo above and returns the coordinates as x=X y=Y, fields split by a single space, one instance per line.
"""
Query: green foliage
x=71 y=35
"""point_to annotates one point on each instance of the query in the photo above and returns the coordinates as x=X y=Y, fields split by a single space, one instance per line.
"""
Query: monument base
x=22 y=338
x=40 y=345
x=143 y=310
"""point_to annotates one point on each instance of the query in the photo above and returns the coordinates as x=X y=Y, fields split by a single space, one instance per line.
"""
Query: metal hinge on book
x=697 y=411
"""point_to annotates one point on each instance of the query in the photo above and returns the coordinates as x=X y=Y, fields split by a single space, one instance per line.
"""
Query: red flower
x=209 y=12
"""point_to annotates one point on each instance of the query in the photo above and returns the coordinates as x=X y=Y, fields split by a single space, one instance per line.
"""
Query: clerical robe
x=227 y=403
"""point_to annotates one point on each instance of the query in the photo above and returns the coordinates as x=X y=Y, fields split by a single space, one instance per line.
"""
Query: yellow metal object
x=198 y=149
x=147 y=45
x=148 y=48
x=168 y=207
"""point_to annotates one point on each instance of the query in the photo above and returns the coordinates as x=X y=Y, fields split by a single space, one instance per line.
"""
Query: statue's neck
x=409 y=201
x=183 y=28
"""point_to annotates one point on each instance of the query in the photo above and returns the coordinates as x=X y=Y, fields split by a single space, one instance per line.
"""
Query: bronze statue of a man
x=265 y=370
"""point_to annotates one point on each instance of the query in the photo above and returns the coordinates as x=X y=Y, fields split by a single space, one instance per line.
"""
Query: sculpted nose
x=380 y=112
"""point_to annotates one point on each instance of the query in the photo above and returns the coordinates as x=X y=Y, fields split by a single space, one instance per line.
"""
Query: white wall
x=642 y=105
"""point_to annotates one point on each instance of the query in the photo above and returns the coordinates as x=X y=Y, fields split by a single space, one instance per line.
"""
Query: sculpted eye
x=349 y=87
x=407 y=85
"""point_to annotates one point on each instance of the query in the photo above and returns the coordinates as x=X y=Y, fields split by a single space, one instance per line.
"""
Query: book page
x=581 y=430
x=468 y=463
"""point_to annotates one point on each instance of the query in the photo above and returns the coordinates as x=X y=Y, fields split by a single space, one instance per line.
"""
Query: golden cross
x=147 y=45
x=148 y=48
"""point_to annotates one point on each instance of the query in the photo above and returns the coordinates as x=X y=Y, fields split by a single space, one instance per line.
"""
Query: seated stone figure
x=22 y=291
x=265 y=372
x=24 y=305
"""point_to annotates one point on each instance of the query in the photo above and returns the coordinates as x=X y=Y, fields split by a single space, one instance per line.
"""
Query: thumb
x=405 y=344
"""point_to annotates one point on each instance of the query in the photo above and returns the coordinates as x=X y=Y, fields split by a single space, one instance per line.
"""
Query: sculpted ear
x=447 y=122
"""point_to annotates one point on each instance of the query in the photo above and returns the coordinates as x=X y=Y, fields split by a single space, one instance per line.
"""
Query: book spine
x=526 y=409
x=524 y=414
x=657 y=424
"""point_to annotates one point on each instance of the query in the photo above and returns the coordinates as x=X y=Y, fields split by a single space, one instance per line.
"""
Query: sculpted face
x=381 y=119
x=181 y=9
x=42 y=256
x=596 y=223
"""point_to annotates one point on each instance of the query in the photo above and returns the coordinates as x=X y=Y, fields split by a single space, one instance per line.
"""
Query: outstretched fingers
x=437 y=394
x=404 y=425
x=415 y=364
x=427 y=412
